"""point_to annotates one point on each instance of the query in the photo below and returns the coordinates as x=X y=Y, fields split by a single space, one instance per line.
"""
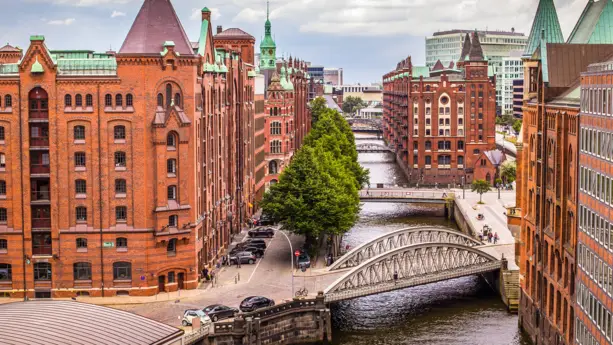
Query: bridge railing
x=381 y=194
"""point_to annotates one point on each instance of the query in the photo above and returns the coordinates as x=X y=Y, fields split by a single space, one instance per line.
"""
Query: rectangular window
x=79 y=159
x=121 y=213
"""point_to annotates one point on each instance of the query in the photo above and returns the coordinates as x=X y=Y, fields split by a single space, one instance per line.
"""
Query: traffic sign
x=297 y=253
x=108 y=244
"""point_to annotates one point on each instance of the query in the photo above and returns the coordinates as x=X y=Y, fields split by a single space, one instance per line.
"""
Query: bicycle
x=302 y=292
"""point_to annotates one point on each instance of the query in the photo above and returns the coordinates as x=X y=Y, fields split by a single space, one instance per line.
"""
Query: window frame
x=85 y=270
x=80 y=186
x=81 y=214
x=119 y=267
x=39 y=267
x=121 y=214
x=78 y=132
x=119 y=132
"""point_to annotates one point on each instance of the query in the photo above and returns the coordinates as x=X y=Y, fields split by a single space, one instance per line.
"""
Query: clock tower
x=268 y=48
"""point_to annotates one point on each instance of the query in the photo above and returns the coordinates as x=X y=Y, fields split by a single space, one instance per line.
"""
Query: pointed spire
x=546 y=19
x=465 y=48
x=268 y=10
x=593 y=26
x=476 y=52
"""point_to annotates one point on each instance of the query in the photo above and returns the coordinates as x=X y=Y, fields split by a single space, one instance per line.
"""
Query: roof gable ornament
x=169 y=55
x=37 y=67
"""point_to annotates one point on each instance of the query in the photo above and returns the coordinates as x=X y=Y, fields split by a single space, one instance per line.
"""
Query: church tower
x=268 y=47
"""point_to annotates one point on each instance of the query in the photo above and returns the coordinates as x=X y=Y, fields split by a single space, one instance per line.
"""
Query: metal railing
x=40 y=169
x=40 y=196
x=41 y=223
x=379 y=194
x=42 y=249
x=195 y=336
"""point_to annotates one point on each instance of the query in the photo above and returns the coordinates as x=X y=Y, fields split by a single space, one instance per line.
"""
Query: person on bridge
x=489 y=237
x=496 y=237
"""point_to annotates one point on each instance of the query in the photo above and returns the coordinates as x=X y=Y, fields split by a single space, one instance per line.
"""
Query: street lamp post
x=463 y=189
x=291 y=249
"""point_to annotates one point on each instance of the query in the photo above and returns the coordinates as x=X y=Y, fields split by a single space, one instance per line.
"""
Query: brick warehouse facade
x=552 y=294
x=137 y=164
x=441 y=120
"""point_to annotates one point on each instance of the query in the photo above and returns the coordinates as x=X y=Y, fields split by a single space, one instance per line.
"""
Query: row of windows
x=598 y=228
x=442 y=145
x=276 y=128
x=595 y=268
x=600 y=316
x=441 y=122
x=597 y=101
x=78 y=100
x=596 y=184
x=119 y=158
x=276 y=146
x=584 y=337
x=597 y=143
x=8 y=101
x=108 y=100
x=441 y=159
x=119 y=132
x=121 y=214
x=81 y=271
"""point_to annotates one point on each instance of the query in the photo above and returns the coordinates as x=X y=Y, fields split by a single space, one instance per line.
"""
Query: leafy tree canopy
x=481 y=187
x=508 y=171
x=352 y=104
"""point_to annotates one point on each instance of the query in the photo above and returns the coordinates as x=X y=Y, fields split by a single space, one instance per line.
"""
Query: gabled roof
x=595 y=25
x=563 y=63
x=438 y=66
x=496 y=157
x=234 y=33
x=10 y=48
x=476 y=52
x=545 y=25
x=156 y=23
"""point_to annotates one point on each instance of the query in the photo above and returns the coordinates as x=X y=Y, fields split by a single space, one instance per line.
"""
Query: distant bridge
x=373 y=148
x=405 y=195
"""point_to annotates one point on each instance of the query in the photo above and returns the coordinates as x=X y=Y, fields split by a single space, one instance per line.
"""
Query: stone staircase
x=510 y=289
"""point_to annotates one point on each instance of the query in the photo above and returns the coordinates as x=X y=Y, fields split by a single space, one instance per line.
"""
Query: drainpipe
x=23 y=222
x=100 y=193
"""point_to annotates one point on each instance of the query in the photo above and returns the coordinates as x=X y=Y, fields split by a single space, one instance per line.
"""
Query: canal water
x=463 y=311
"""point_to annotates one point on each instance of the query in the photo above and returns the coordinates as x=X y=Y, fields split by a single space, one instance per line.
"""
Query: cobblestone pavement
x=270 y=277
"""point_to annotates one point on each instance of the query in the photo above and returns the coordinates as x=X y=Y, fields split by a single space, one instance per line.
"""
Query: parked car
x=219 y=312
x=242 y=257
x=265 y=220
x=303 y=260
x=252 y=243
x=190 y=314
x=258 y=252
x=255 y=302
x=262 y=232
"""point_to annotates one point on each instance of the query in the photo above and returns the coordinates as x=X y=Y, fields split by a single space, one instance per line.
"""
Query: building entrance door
x=161 y=283
x=180 y=280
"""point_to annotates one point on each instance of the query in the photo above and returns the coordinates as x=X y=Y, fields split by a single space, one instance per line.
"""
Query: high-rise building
x=123 y=173
x=441 y=122
x=333 y=76
x=512 y=71
x=518 y=97
x=556 y=305
x=446 y=46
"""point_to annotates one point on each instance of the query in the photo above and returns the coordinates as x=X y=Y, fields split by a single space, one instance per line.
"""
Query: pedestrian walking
x=205 y=274
x=489 y=237
x=481 y=236
x=495 y=237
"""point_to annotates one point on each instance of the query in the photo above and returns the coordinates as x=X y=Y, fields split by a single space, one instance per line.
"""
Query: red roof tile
x=235 y=33
x=156 y=23
x=9 y=48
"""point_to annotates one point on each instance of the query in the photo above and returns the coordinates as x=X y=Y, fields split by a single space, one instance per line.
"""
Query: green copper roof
x=251 y=74
x=545 y=24
x=9 y=68
x=206 y=9
x=37 y=38
x=204 y=30
x=37 y=67
x=421 y=71
x=268 y=42
x=595 y=26
x=87 y=66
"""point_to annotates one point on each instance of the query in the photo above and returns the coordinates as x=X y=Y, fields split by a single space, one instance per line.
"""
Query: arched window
x=120 y=159
x=119 y=132
x=172 y=193
x=171 y=141
x=171 y=166
x=275 y=146
x=173 y=221
x=81 y=213
x=121 y=242
x=121 y=213
x=427 y=87
x=178 y=99
x=79 y=100
x=129 y=100
x=273 y=167
x=6 y=272
x=2 y=137
x=276 y=111
x=8 y=101
x=275 y=128
x=81 y=243
x=82 y=271
x=120 y=186
x=172 y=246
x=160 y=100
x=122 y=270
x=460 y=160
x=68 y=101
x=80 y=187
x=270 y=111
x=108 y=100
x=79 y=132
x=428 y=160
x=2 y=188
x=42 y=271
x=460 y=145
x=476 y=151
x=89 y=101
x=119 y=100
x=168 y=94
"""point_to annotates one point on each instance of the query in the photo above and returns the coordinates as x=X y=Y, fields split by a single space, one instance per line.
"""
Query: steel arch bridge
x=400 y=238
x=409 y=266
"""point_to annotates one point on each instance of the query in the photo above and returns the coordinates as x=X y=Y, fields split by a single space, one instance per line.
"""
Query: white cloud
x=116 y=14
x=197 y=13
x=83 y=3
x=66 y=21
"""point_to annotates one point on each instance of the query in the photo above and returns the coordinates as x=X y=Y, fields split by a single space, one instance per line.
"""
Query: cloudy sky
x=365 y=37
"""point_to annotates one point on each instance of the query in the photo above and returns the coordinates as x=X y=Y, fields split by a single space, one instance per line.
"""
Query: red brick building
x=440 y=121
x=124 y=173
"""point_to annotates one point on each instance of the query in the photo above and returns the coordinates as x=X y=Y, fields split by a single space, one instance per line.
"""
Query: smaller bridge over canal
x=406 y=195
x=373 y=148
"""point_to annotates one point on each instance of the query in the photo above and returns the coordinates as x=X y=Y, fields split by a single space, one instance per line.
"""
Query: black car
x=265 y=220
x=242 y=257
x=262 y=232
x=258 y=252
x=252 y=243
x=255 y=302
x=219 y=312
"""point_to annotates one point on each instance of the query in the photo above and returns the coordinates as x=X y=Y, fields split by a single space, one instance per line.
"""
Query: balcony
x=41 y=197
x=39 y=169
x=42 y=244
x=39 y=142
x=41 y=223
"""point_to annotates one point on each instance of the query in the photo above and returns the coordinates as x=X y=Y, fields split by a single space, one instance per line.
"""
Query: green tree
x=317 y=106
x=481 y=187
x=508 y=171
x=352 y=104
x=517 y=126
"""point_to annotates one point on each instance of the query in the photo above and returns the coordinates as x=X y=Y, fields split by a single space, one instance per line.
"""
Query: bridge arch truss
x=400 y=238
x=414 y=265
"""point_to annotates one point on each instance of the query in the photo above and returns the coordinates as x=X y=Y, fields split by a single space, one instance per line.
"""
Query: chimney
x=219 y=29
